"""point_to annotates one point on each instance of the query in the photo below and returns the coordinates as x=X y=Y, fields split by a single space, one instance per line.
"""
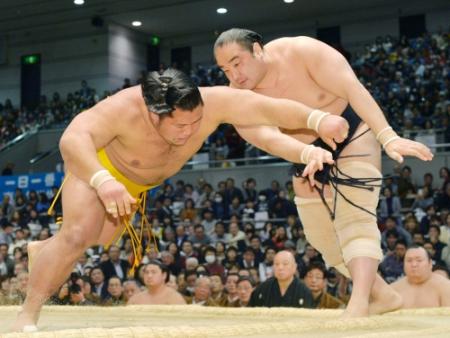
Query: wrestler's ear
x=257 y=50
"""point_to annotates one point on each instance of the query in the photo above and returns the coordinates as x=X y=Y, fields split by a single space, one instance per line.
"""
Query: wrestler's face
x=153 y=276
x=178 y=127
x=417 y=265
x=243 y=68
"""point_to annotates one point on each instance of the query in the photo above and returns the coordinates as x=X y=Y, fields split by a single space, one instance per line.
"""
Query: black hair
x=74 y=289
x=317 y=265
x=161 y=266
x=245 y=278
x=173 y=89
x=415 y=246
x=244 y=37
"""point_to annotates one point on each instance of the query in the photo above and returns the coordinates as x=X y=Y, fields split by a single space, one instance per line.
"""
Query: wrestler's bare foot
x=356 y=309
x=24 y=322
x=388 y=301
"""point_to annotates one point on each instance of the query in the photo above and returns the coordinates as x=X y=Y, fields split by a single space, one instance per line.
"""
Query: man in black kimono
x=284 y=289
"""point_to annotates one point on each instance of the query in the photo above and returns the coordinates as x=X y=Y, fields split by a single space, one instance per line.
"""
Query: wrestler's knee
x=76 y=239
x=319 y=229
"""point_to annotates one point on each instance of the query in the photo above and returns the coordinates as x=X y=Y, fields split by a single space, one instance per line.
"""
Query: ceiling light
x=222 y=10
x=136 y=23
x=288 y=1
x=78 y=2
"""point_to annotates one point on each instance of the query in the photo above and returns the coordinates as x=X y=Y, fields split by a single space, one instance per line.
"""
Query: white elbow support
x=314 y=119
x=99 y=178
x=306 y=152
x=386 y=136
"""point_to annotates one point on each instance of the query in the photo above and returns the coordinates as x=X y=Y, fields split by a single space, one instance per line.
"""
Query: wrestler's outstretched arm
x=88 y=132
x=332 y=72
x=244 y=107
x=273 y=141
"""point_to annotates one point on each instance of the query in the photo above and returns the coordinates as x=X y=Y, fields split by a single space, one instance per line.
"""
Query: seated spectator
x=199 y=238
x=219 y=234
x=390 y=205
x=435 y=260
x=445 y=231
x=187 y=250
x=218 y=294
x=310 y=255
x=406 y=188
x=285 y=289
x=213 y=267
x=77 y=296
x=255 y=244
x=443 y=199
x=248 y=259
x=316 y=281
x=156 y=275
x=208 y=221
x=231 y=289
x=411 y=225
x=423 y=199
x=266 y=267
x=434 y=234
x=245 y=287
x=188 y=212
x=426 y=220
x=114 y=266
x=392 y=265
x=99 y=287
x=168 y=260
x=202 y=293
x=237 y=236
x=115 y=291
x=130 y=288
x=391 y=224
x=421 y=287
x=235 y=208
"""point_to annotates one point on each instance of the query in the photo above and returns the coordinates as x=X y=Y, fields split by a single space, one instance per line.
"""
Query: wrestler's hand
x=116 y=199
x=316 y=159
x=398 y=148
x=333 y=129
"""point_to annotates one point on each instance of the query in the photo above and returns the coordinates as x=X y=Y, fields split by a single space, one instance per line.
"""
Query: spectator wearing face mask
x=212 y=266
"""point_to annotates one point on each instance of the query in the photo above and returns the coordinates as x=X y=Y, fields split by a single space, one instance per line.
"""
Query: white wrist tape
x=386 y=136
x=99 y=178
x=314 y=119
x=304 y=156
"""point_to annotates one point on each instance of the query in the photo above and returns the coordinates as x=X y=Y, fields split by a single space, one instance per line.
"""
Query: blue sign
x=38 y=182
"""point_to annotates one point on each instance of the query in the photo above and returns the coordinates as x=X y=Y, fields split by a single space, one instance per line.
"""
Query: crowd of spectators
x=409 y=78
x=216 y=241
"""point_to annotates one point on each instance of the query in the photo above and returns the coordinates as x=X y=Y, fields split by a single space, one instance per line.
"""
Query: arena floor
x=196 y=321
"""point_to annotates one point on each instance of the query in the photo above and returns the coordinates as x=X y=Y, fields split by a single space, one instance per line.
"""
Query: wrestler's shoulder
x=439 y=281
x=295 y=42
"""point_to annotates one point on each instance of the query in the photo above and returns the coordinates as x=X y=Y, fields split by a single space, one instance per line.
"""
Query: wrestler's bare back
x=432 y=293
x=294 y=81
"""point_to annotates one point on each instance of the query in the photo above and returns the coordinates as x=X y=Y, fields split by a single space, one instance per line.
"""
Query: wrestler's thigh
x=367 y=146
x=303 y=188
x=111 y=231
x=83 y=212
